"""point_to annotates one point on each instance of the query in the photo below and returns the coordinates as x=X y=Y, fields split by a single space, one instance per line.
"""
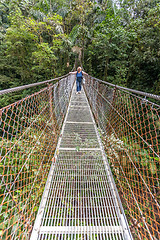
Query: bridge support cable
x=80 y=200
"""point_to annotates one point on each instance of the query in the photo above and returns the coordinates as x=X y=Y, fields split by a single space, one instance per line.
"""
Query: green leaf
x=35 y=208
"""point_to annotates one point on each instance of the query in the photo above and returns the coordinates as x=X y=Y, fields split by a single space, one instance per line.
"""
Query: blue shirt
x=79 y=76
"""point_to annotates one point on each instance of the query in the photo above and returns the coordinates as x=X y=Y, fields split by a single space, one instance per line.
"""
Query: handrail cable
x=15 y=89
x=157 y=97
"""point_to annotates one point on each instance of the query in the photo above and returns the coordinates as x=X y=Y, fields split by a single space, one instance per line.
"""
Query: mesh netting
x=130 y=129
x=29 y=131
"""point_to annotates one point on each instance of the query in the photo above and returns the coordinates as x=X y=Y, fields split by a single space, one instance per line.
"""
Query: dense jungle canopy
x=115 y=40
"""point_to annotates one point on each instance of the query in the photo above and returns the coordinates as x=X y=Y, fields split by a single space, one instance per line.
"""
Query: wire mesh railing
x=29 y=130
x=130 y=129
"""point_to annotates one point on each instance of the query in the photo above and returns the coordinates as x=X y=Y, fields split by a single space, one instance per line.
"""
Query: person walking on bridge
x=79 y=76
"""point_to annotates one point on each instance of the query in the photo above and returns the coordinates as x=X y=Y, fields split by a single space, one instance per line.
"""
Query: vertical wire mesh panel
x=130 y=129
x=29 y=130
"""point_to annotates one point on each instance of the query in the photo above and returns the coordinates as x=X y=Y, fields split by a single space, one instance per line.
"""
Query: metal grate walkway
x=80 y=200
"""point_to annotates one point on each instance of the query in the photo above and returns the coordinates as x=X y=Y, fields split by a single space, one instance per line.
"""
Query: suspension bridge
x=80 y=166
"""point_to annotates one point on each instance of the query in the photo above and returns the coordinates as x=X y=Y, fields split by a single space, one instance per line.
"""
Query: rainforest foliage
x=115 y=40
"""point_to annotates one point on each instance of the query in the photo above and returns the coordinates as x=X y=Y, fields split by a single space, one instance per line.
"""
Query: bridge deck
x=80 y=200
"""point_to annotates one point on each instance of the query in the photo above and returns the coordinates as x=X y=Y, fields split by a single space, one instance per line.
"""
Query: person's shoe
x=79 y=92
x=76 y=92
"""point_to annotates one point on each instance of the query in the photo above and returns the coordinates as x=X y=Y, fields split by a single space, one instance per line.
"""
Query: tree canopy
x=119 y=41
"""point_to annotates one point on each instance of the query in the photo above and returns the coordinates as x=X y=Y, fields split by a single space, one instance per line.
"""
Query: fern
x=75 y=33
